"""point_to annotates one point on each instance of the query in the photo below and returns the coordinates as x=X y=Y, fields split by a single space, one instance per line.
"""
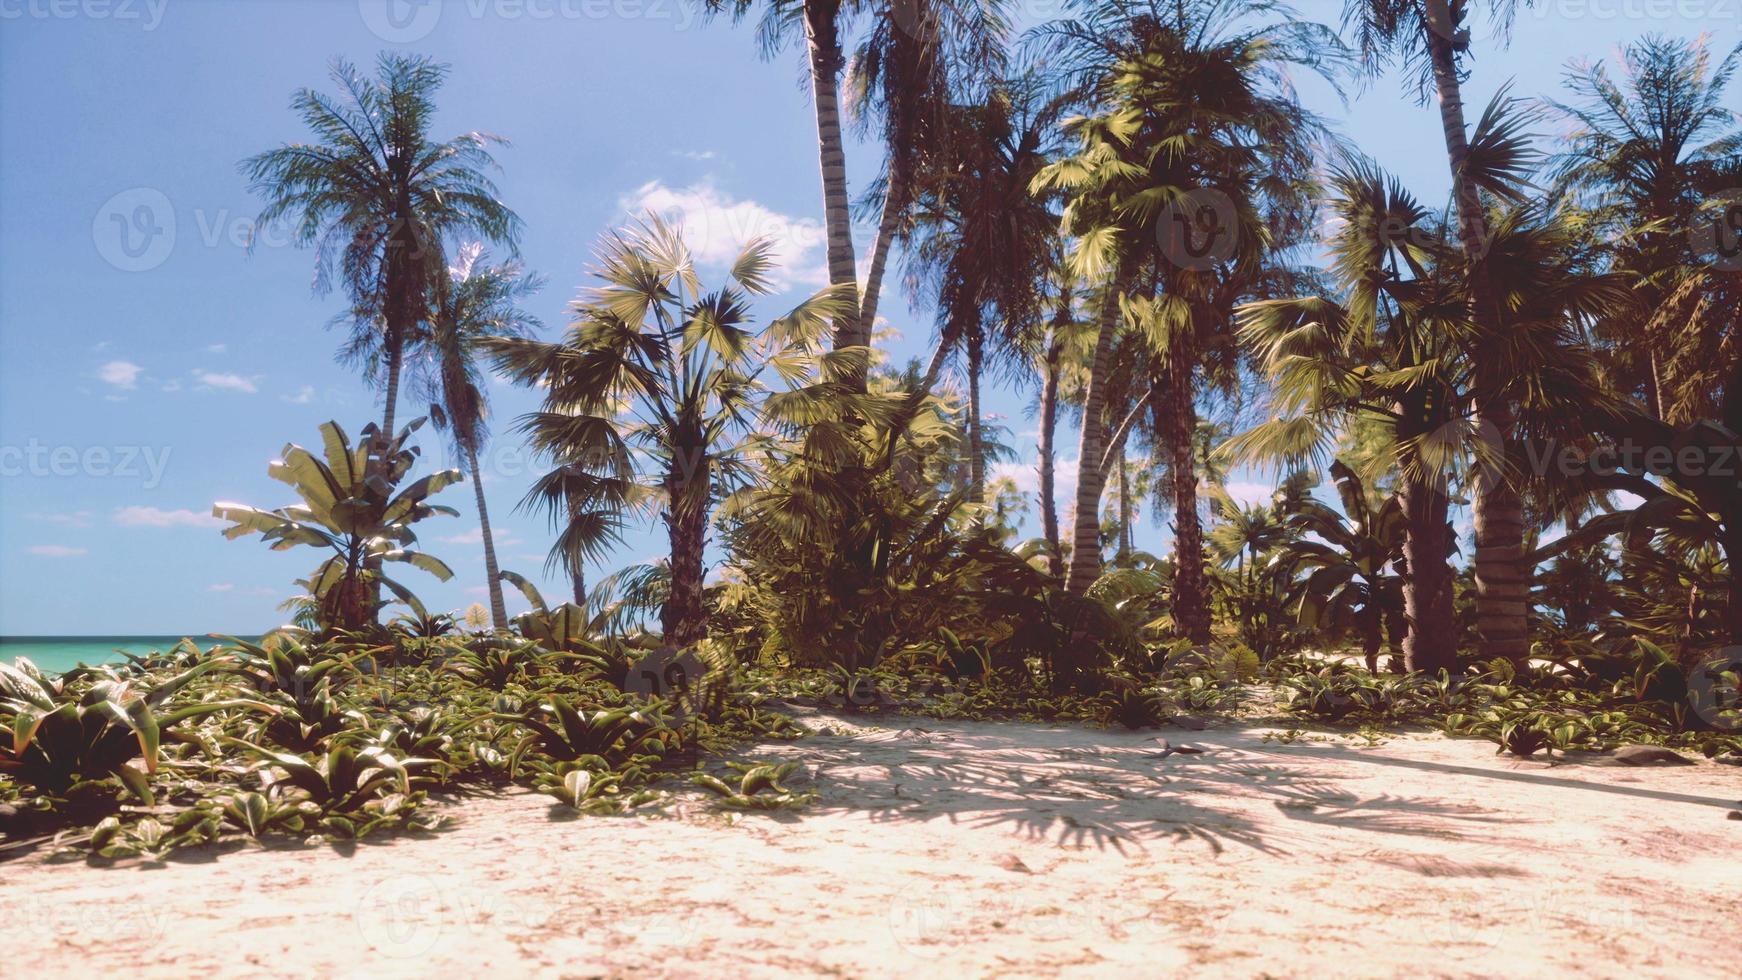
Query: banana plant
x=61 y=738
x=1352 y=562
x=350 y=508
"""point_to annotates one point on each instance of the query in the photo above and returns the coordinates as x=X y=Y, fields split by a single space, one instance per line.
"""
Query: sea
x=54 y=654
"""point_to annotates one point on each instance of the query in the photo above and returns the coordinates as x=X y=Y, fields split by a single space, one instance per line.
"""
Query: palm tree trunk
x=395 y=365
x=976 y=434
x=1191 y=593
x=685 y=617
x=894 y=204
x=1049 y=416
x=498 y=608
x=1431 y=641
x=825 y=66
x=1091 y=478
x=577 y=567
x=1502 y=578
x=1124 y=509
x=1371 y=639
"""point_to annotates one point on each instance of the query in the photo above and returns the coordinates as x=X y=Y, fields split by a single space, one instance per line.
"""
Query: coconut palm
x=659 y=377
x=1430 y=37
x=980 y=245
x=474 y=301
x=1394 y=354
x=917 y=60
x=377 y=198
x=1198 y=137
x=1649 y=149
x=915 y=53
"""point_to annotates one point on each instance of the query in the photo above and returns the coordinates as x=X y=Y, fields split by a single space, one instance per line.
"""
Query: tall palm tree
x=658 y=376
x=377 y=198
x=1395 y=354
x=980 y=245
x=1649 y=148
x=907 y=64
x=1430 y=37
x=473 y=302
x=1194 y=116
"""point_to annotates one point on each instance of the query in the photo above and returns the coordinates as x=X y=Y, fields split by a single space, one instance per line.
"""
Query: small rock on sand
x=1647 y=755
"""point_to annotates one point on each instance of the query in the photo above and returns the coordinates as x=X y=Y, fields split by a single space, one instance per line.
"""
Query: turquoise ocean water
x=57 y=653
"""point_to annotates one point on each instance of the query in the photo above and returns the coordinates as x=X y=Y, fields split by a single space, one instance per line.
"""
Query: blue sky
x=142 y=378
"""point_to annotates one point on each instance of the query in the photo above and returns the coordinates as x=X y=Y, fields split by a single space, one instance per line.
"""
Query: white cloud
x=217 y=348
x=121 y=374
x=221 y=587
x=229 y=382
x=476 y=536
x=1251 y=494
x=303 y=395
x=57 y=551
x=716 y=225
x=138 y=516
x=695 y=154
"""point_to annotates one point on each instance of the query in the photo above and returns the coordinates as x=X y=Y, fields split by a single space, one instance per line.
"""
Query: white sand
x=979 y=850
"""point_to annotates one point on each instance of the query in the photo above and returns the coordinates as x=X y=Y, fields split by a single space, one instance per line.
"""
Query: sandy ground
x=977 y=849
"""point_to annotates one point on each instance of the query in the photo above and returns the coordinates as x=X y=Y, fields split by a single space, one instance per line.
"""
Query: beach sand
x=977 y=849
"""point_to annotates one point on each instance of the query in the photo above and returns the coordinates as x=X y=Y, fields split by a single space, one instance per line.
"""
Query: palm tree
x=918 y=59
x=1648 y=150
x=906 y=65
x=657 y=371
x=1430 y=36
x=980 y=245
x=473 y=302
x=1395 y=354
x=1195 y=122
x=1058 y=336
x=377 y=198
